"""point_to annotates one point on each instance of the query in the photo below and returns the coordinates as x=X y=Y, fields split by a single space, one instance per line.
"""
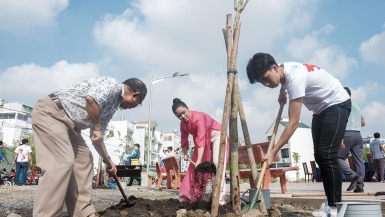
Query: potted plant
x=296 y=158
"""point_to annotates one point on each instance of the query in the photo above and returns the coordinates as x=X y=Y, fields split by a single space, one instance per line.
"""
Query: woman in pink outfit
x=206 y=134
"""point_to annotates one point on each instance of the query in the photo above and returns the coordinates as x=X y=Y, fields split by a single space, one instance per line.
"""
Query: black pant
x=139 y=179
x=328 y=129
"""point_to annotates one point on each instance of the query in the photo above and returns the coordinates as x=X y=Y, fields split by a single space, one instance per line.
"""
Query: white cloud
x=34 y=81
x=360 y=95
x=374 y=117
x=21 y=15
x=373 y=49
x=188 y=33
x=312 y=49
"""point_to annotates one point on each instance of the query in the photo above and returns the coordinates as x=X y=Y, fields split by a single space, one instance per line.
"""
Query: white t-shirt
x=169 y=154
x=22 y=153
x=319 y=89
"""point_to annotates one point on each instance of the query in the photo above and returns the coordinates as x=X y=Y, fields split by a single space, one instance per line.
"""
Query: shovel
x=253 y=201
x=117 y=181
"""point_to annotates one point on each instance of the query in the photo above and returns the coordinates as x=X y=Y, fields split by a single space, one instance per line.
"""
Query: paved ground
x=316 y=187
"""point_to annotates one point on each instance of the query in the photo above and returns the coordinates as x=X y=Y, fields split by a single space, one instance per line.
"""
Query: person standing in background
x=21 y=159
x=353 y=143
x=376 y=156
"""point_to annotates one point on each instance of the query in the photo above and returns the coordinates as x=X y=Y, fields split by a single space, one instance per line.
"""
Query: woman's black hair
x=176 y=103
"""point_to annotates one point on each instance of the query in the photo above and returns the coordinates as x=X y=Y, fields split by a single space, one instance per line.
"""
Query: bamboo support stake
x=225 y=119
x=246 y=136
x=235 y=191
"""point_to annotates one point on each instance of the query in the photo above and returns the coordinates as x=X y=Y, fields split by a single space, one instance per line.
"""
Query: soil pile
x=161 y=208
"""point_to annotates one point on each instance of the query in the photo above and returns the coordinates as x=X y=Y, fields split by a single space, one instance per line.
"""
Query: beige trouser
x=65 y=162
x=216 y=141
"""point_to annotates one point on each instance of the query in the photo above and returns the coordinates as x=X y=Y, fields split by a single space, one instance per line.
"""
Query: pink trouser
x=65 y=162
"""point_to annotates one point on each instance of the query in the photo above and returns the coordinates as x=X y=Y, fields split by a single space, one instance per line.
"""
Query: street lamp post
x=153 y=81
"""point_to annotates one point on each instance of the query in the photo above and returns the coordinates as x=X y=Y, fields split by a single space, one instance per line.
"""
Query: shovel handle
x=121 y=189
x=272 y=141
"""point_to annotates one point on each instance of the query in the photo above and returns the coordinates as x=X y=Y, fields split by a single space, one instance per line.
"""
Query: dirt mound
x=161 y=208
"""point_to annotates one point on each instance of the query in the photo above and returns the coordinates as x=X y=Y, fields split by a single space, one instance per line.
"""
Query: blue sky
x=49 y=44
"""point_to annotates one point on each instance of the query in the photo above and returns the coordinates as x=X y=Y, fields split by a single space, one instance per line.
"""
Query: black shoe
x=358 y=190
x=354 y=182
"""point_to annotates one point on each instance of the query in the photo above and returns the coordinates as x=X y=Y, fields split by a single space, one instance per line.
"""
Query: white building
x=301 y=142
x=117 y=140
x=15 y=121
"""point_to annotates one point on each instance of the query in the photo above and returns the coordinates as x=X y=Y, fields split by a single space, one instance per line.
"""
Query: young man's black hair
x=258 y=65
x=376 y=135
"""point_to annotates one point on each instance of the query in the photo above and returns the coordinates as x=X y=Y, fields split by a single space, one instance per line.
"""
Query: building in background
x=301 y=142
x=15 y=121
x=122 y=135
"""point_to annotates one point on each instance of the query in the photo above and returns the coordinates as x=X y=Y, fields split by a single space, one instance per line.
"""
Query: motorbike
x=8 y=178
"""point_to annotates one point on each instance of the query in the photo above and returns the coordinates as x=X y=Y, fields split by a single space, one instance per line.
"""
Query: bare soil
x=148 y=202
x=161 y=208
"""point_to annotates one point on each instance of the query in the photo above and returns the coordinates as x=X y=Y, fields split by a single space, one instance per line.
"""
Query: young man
x=135 y=155
x=321 y=93
x=376 y=149
x=21 y=158
x=61 y=152
x=353 y=143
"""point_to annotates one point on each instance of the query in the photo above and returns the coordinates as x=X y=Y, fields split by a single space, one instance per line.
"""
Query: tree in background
x=296 y=158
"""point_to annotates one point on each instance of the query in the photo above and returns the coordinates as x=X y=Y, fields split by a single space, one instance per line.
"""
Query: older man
x=62 y=154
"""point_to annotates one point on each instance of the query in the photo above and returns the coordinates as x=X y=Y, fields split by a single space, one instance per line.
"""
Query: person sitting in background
x=169 y=153
x=162 y=156
x=139 y=179
x=135 y=155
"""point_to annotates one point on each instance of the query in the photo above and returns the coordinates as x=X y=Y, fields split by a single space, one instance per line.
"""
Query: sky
x=46 y=45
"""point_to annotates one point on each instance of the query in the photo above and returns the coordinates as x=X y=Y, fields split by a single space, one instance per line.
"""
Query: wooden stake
x=246 y=136
x=225 y=119
x=235 y=191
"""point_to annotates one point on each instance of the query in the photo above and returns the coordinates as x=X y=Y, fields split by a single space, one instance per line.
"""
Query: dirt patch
x=170 y=207
x=161 y=208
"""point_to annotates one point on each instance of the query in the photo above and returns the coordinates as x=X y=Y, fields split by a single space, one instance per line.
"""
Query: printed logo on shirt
x=310 y=67
x=21 y=152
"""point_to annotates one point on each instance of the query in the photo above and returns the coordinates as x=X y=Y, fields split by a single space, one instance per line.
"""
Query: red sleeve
x=199 y=139
x=184 y=137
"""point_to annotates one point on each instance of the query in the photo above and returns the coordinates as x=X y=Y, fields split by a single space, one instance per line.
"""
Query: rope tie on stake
x=235 y=71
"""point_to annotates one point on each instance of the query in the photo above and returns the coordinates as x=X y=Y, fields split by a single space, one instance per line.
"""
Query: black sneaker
x=358 y=190
x=354 y=182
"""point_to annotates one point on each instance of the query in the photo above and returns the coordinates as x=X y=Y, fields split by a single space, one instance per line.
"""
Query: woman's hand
x=195 y=163
x=186 y=157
